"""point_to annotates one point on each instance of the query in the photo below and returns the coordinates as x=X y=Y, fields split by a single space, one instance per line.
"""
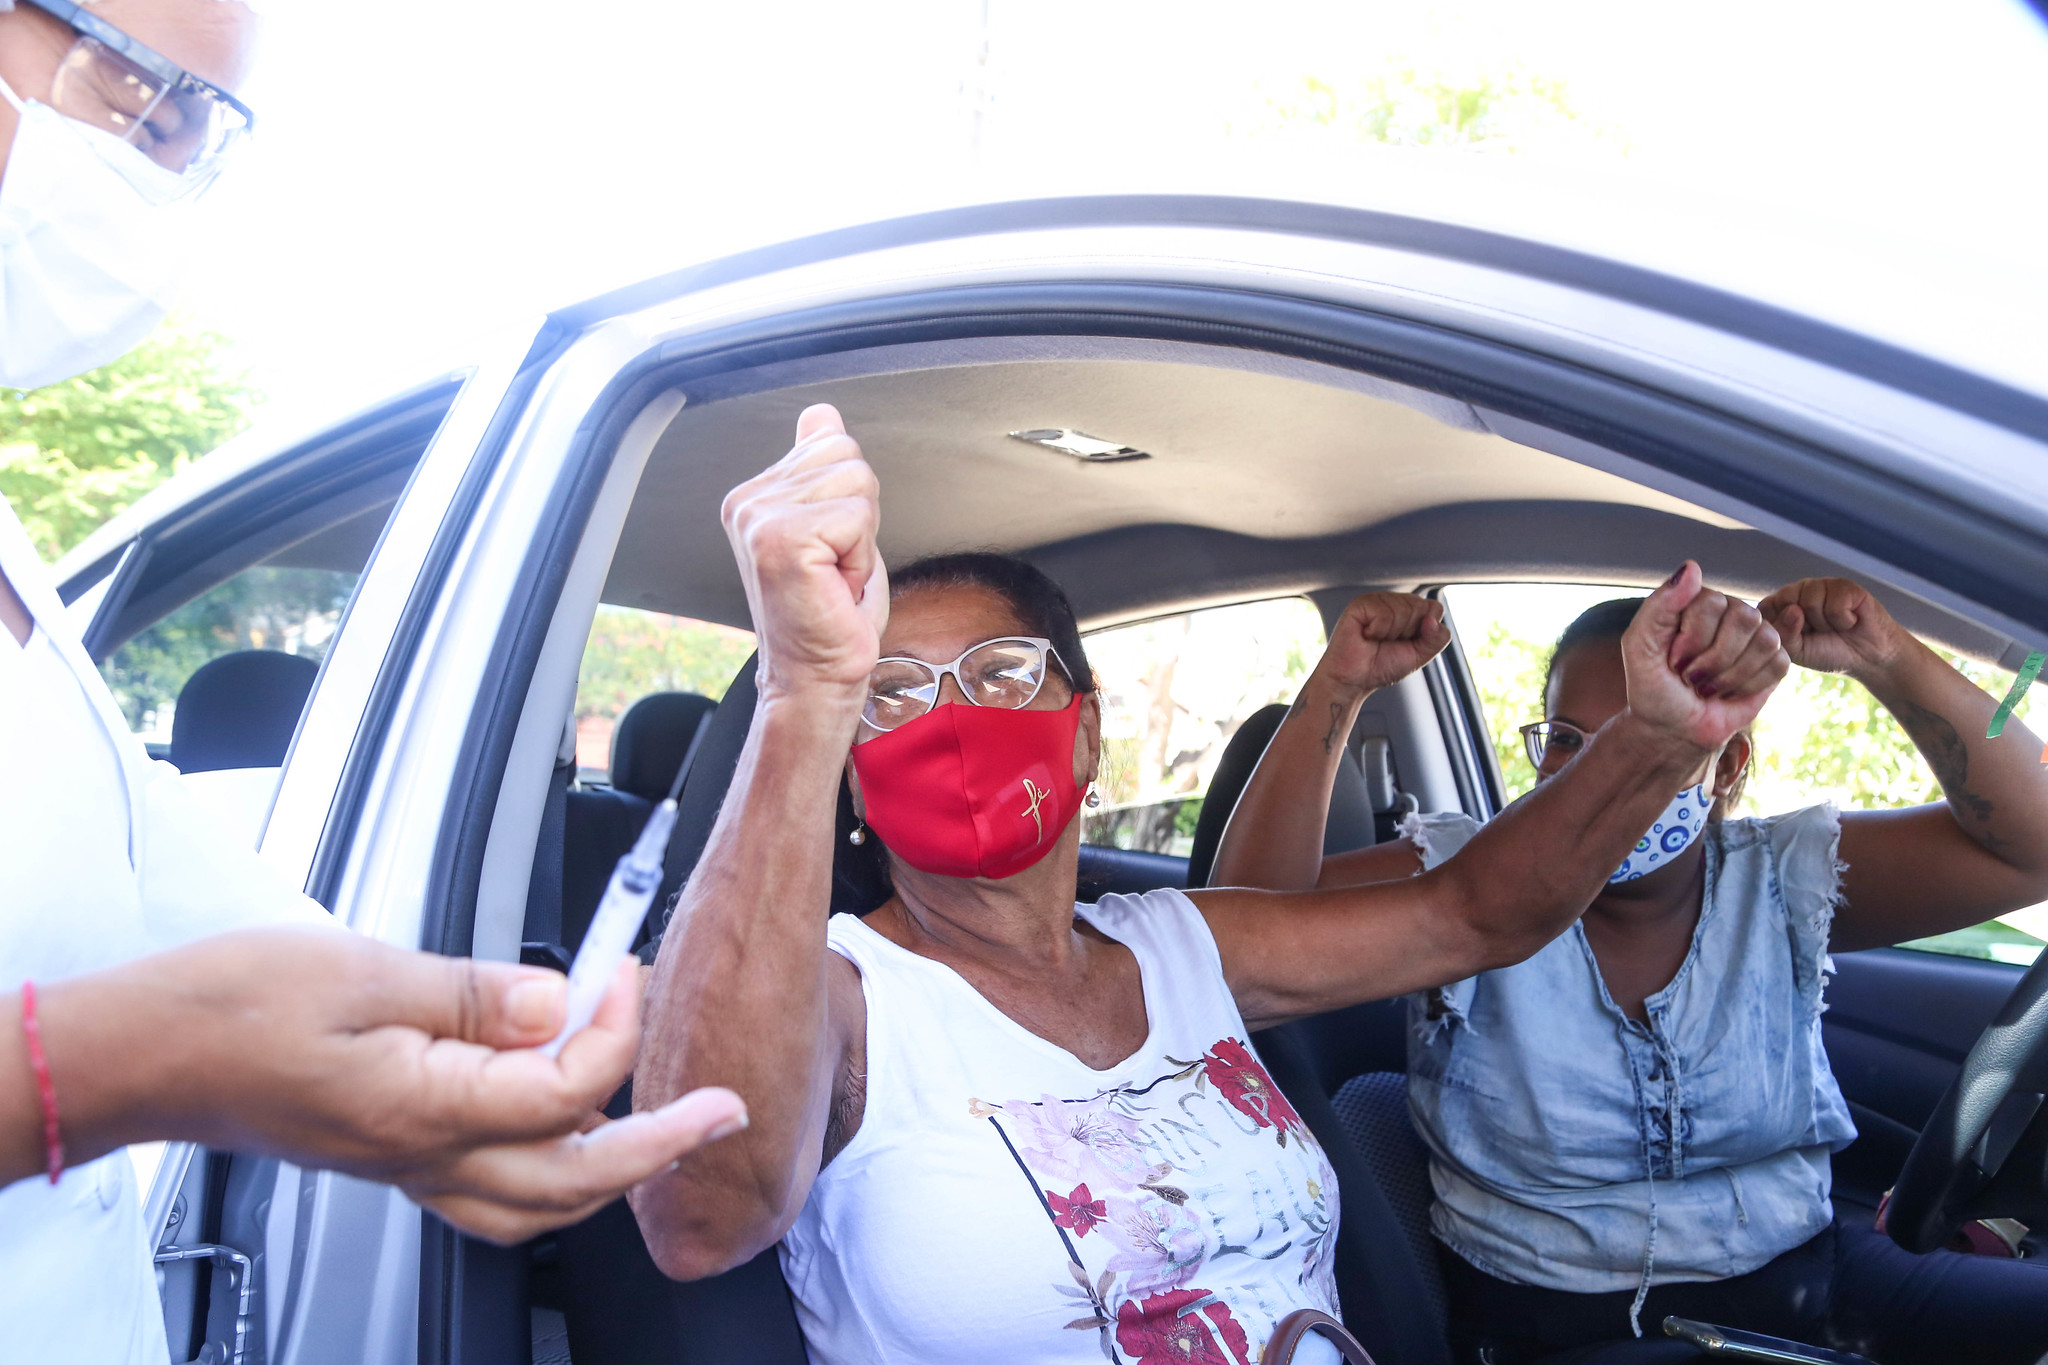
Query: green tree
x=1508 y=671
x=75 y=453
x=295 y=611
x=1405 y=103
x=631 y=653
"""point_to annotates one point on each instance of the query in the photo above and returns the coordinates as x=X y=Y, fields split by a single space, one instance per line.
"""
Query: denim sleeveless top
x=1574 y=1148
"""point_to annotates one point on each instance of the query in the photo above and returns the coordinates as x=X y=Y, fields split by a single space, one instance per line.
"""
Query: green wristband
x=2028 y=671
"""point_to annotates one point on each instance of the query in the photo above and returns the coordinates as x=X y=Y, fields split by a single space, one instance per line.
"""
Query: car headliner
x=1268 y=475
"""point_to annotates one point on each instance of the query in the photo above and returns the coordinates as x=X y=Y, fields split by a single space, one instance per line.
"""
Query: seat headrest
x=652 y=738
x=860 y=877
x=239 y=711
x=1349 y=825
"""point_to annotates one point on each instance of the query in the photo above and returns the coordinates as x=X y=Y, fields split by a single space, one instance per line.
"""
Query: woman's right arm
x=745 y=988
x=1274 y=840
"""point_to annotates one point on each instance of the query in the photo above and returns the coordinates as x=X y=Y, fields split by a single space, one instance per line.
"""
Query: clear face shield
x=115 y=83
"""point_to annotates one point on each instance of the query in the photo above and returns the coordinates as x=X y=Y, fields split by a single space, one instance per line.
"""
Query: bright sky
x=429 y=171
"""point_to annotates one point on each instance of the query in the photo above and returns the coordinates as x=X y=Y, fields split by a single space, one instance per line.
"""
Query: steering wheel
x=1984 y=1152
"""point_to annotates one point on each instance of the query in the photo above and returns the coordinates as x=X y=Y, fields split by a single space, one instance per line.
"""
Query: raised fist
x=1381 y=638
x=1700 y=662
x=803 y=531
x=1832 y=625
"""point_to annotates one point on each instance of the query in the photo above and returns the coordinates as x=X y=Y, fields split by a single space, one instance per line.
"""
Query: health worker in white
x=112 y=118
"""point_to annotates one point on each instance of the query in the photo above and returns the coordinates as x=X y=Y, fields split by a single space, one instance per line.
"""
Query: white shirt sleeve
x=197 y=880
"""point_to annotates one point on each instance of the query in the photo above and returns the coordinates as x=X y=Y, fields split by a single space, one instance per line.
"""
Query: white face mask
x=91 y=246
x=1682 y=822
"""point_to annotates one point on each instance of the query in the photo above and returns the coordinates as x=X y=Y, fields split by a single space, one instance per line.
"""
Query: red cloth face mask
x=972 y=791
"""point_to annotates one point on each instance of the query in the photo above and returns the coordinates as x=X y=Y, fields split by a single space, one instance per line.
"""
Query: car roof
x=1849 y=290
x=1270 y=474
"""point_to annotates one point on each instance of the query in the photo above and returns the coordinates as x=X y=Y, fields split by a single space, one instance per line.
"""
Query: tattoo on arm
x=1300 y=705
x=1949 y=756
x=1336 y=724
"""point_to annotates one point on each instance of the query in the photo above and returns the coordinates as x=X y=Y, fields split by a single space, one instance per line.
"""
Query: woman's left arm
x=1927 y=869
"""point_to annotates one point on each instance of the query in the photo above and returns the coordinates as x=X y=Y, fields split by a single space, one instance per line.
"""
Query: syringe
x=622 y=910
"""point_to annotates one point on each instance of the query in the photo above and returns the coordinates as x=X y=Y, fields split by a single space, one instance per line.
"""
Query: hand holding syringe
x=622 y=910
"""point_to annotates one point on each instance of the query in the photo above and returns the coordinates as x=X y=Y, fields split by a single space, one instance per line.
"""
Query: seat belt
x=1390 y=805
x=544 y=887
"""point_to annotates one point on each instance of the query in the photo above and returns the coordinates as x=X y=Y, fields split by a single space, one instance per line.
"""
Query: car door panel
x=1898 y=1025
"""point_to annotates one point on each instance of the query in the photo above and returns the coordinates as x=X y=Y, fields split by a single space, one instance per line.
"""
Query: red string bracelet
x=46 y=1090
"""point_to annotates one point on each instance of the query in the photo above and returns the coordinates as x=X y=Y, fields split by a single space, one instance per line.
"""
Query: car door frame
x=340 y=724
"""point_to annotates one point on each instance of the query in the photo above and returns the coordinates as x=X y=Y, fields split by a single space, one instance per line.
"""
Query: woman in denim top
x=1637 y=1121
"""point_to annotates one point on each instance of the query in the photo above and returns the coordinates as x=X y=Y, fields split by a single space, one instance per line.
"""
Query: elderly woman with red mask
x=986 y=1119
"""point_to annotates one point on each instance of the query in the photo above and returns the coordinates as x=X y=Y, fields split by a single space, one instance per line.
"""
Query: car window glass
x=1822 y=737
x=1174 y=690
x=293 y=610
x=632 y=653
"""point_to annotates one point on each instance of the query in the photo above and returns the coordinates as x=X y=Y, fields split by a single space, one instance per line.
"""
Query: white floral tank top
x=1003 y=1200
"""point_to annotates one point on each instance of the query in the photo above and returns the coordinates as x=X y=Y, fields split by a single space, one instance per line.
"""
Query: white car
x=1176 y=406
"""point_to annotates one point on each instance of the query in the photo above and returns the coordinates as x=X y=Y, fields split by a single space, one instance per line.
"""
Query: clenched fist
x=1699 y=662
x=803 y=531
x=1832 y=625
x=1380 y=639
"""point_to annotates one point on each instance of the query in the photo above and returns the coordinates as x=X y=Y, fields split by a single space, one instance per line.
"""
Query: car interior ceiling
x=1265 y=477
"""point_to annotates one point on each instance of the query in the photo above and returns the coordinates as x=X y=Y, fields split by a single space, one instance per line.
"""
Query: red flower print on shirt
x=1076 y=1212
x=1244 y=1083
x=1174 y=1329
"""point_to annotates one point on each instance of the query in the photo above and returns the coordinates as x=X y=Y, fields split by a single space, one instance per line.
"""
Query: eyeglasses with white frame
x=1007 y=672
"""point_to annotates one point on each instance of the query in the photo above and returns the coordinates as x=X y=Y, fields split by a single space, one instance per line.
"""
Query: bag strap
x=1298 y=1324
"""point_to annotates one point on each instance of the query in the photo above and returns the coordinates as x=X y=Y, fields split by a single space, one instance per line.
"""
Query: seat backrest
x=620 y=1309
x=1350 y=822
x=240 y=710
x=1241 y=754
x=1380 y=1270
x=1373 y=1109
x=651 y=740
x=599 y=824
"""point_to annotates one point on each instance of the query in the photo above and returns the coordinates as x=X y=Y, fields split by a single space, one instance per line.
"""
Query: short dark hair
x=1609 y=620
x=1040 y=604
x=1602 y=621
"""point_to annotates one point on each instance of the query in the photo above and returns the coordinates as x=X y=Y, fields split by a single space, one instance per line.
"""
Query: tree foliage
x=263 y=607
x=1508 y=671
x=75 y=453
x=1404 y=103
x=632 y=653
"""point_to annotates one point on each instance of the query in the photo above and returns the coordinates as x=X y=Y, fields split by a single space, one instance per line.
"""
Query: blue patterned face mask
x=1673 y=833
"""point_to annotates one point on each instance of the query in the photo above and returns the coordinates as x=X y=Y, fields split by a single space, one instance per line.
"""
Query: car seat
x=240 y=711
x=1350 y=823
x=599 y=824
